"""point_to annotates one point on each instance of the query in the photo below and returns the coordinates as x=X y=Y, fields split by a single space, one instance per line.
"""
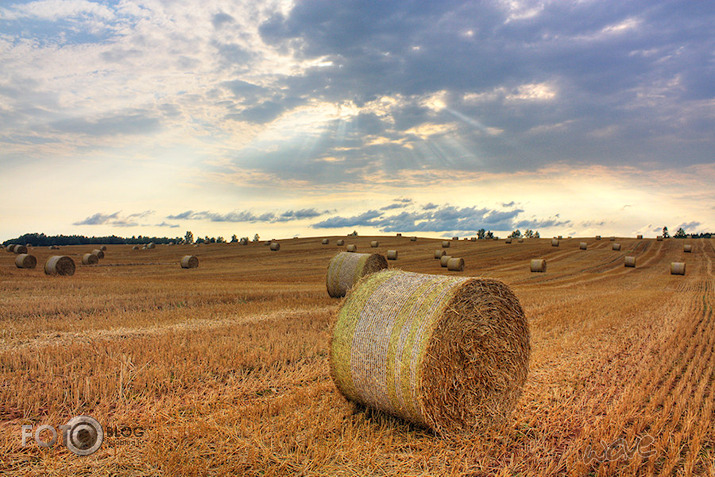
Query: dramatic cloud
x=247 y=216
x=115 y=219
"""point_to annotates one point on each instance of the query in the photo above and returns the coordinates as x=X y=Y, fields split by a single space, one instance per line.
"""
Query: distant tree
x=256 y=238
x=515 y=234
x=481 y=233
x=189 y=237
x=234 y=238
x=354 y=234
x=489 y=235
x=199 y=240
x=680 y=233
x=529 y=233
x=665 y=232
x=537 y=235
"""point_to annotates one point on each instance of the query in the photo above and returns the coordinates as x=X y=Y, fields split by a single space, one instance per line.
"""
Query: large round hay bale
x=598 y=237
x=507 y=240
x=687 y=248
x=103 y=248
x=583 y=246
x=90 y=259
x=455 y=264
x=275 y=246
x=9 y=248
x=20 y=249
x=150 y=245
x=659 y=238
x=59 y=265
x=392 y=254
x=554 y=242
x=445 y=244
x=340 y=242
x=630 y=261
x=374 y=244
x=639 y=237
x=25 y=260
x=351 y=248
x=538 y=265
x=345 y=269
x=444 y=260
x=616 y=246
x=448 y=353
x=325 y=242
x=677 y=268
x=99 y=253
x=189 y=261
x=413 y=239
x=439 y=254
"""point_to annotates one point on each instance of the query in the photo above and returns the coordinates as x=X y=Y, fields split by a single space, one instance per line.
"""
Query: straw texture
x=90 y=259
x=538 y=265
x=630 y=261
x=455 y=264
x=449 y=353
x=677 y=268
x=345 y=269
x=25 y=260
x=189 y=261
x=59 y=265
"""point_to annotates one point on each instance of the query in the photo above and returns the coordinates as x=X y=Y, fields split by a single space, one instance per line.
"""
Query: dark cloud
x=115 y=219
x=247 y=216
x=166 y=224
x=220 y=19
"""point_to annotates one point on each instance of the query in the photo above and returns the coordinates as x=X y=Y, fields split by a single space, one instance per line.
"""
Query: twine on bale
x=90 y=259
x=345 y=269
x=189 y=261
x=392 y=254
x=25 y=260
x=444 y=260
x=455 y=264
x=448 y=353
x=677 y=268
x=439 y=254
x=538 y=265
x=59 y=265
x=630 y=261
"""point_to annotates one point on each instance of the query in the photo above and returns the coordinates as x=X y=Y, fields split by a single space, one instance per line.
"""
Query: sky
x=308 y=118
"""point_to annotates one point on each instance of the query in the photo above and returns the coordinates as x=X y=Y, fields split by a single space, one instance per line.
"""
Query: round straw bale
x=25 y=260
x=99 y=253
x=445 y=244
x=346 y=269
x=583 y=246
x=444 y=260
x=189 y=261
x=325 y=242
x=150 y=245
x=374 y=244
x=243 y=241
x=275 y=246
x=560 y=237
x=59 y=265
x=398 y=234
x=392 y=254
x=340 y=242
x=90 y=259
x=538 y=265
x=8 y=248
x=598 y=237
x=659 y=238
x=507 y=240
x=554 y=242
x=521 y=240
x=472 y=239
x=612 y=239
x=136 y=247
x=439 y=254
x=630 y=261
x=448 y=353
x=351 y=248
x=413 y=239
x=639 y=237
x=455 y=264
x=616 y=246
x=687 y=248
x=677 y=268
x=20 y=249
x=455 y=238
x=103 y=248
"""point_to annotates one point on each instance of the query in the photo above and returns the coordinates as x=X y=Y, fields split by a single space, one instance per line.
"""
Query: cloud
x=166 y=224
x=115 y=219
x=688 y=226
x=247 y=216
x=398 y=204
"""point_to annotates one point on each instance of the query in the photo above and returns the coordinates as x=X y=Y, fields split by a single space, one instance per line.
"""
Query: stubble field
x=223 y=370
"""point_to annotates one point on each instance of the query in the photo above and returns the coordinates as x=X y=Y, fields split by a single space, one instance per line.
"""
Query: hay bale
x=99 y=253
x=150 y=245
x=189 y=261
x=9 y=247
x=90 y=259
x=54 y=247
x=136 y=247
x=352 y=248
x=275 y=246
x=345 y=269
x=20 y=249
x=659 y=238
x=687 y=248
x=398 y=234
x=521 y=240
x=639 y=237
x=340 y=242
x=444 y=260
x=25 y=260
x=59 y=265
x=554 y=242
x=103 y=248
x=583 y=246
x=392 y=254
x=538 y=265
x=630 y=261
x=445 y=244
x=677 y=268
x=448 y=353
x=243 y=241
x=413 y=239
x=507 y=240
x=612 y=238
x=598 y=237
x=616 y=246
x=455 y=264
x=325 y=242
x=374 y=244
x=473 y=239
x=560 y=237
x=439 y=254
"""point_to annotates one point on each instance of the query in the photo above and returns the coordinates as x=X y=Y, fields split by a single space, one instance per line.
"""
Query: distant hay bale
x=345 y=269
x=325 y=242
x=136 y=247
x=598 y=237
x=103 y=248
x=90 y=259
x=677 y=268
x=275 y=246
x=392 y=254
x=189 y=261
x=445 y=244
x=639 y=237
x=560 y=237
x=243 y=241
x=444 y=260
x=99 y=253
x=659 y=238
x=448 y=353
x=507 y=240
x=352 y=248
x=340 y=242
x=612 y=238
x=455 y=238
x=554 y=242
x=150 y=245
x=521 y=240
x=268 y=243
x=374 y=244
x=144 y=246
x=455 y=264
x=687 y=248
x=25 y=260
x=9 y=247
x=630 y=261
x=616 y=246
x=59 y=265
x=439 y=254
x=538 y=265
x=583 y=246
x=398 y=235
x=20 y=249
x=413 y=239
x=473 y=239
